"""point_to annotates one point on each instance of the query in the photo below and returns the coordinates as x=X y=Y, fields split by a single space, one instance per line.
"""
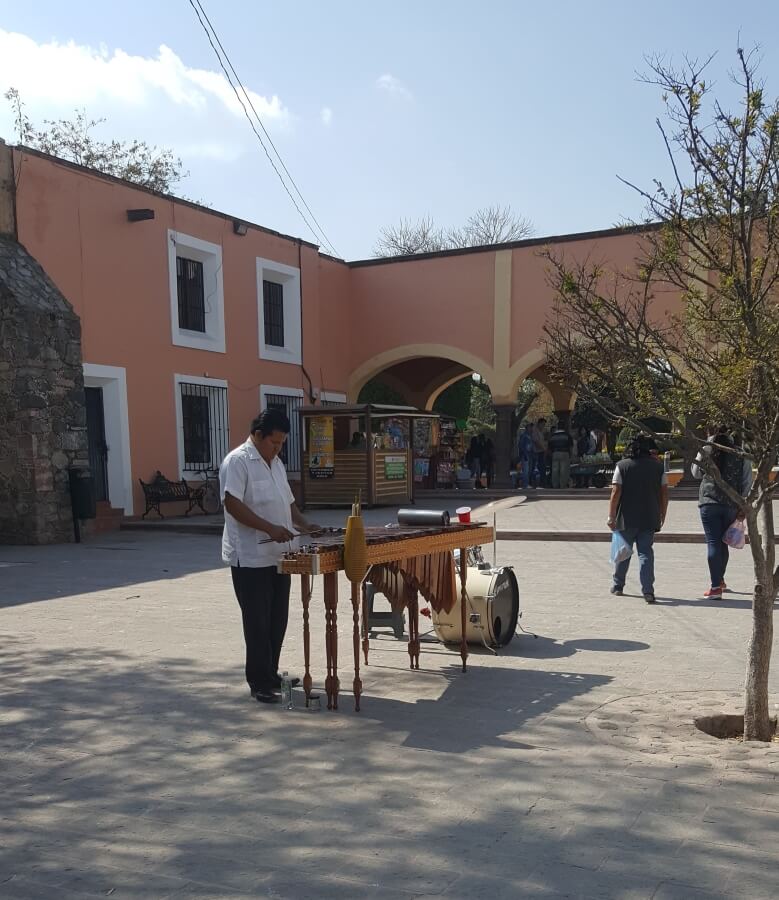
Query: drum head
x=504 y=607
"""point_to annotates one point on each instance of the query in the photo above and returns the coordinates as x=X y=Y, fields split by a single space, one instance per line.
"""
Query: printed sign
x=321 y=461
x=395 y=468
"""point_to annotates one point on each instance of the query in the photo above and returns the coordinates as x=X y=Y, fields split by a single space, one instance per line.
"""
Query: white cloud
x=212 y=150
x=326 y=115
x=60 y=76
x=392 y=85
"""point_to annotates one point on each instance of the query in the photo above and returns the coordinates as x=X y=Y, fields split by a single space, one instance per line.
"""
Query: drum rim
x=499 y=570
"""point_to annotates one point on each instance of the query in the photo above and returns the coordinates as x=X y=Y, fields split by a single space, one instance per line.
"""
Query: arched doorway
x=420 y=375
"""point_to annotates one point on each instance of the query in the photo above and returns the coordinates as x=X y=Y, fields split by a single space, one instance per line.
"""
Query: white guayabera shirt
x=264 y=488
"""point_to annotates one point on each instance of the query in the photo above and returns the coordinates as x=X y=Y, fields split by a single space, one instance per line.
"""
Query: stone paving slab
x=134 y=763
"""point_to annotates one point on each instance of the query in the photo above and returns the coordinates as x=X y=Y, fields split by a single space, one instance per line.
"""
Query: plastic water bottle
x=286 y=692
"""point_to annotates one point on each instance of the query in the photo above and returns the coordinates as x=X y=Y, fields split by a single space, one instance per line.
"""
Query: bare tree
x=491 y=225
x=72 y=139
x=712 y=253
x=407 y=238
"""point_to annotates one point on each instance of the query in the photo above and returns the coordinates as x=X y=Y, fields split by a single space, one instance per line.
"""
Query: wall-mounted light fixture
x=139 y=215
x=240 y=227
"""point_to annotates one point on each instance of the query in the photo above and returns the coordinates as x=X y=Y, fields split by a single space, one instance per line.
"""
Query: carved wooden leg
x=463 y=606
x=413 y=628
x=365 y=643
x=356 y=684
x=417 y=642
x=306 y=582
x=336 y=684
x=330 y=589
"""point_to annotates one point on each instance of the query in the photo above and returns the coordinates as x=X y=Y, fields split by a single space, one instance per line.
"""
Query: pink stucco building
x=192 y=321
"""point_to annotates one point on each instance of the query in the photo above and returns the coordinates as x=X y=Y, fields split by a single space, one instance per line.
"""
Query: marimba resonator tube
x=423 y=517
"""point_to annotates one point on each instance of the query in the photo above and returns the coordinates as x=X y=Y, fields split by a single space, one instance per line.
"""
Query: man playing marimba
x=261 y=520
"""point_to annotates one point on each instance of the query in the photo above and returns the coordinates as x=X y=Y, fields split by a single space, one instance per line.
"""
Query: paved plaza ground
x=134 y=763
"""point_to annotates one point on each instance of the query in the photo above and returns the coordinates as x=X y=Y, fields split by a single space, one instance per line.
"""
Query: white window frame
x=178 y=380
x=289 y=278
x=185 y=245
x=113 y=381
x=265 y=389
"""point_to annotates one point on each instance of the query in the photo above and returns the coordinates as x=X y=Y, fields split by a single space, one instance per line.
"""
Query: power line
x=264 y=129
x=320 y=236
x=254 y=129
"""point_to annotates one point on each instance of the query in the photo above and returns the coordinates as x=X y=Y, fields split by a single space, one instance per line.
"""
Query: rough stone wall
x=42 y=406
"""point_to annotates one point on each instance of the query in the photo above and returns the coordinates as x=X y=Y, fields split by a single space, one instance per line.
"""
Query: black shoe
x=266 y=696
x=294 y=682
x=650 y=598
x=617 y=591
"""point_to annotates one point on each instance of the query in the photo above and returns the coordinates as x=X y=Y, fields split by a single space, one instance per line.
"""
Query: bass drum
x=492 y=613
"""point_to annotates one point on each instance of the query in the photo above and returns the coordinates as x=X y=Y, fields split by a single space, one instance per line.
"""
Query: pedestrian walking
x=540 y=441
x=560 y=445
x=261 y=520
x=717 y=510
x=527 y=455
x=637 y=509
x=482 y=455
x=489 y=461
x=473 y=460
x=584 y=443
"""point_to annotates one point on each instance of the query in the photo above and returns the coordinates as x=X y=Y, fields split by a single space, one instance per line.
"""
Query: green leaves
x=72 y=139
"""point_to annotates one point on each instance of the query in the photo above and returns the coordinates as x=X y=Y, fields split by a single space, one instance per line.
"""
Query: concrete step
x=180 y=524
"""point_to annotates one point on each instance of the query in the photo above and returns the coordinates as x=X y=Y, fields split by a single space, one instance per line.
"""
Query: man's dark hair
x=270 y=420
x=641 y=445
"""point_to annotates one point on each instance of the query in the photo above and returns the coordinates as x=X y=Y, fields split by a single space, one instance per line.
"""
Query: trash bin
x=82 y=494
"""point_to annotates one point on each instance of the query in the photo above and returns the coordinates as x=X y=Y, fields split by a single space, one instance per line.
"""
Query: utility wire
x=264 y=130
x=319 y=236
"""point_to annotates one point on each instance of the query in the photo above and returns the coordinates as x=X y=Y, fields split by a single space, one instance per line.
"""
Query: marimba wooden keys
x=324 y=556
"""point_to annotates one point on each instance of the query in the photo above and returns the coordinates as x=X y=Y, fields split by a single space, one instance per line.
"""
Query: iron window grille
x=273 y=311
x=290 y=452
x=191 y=294
x=204 y=424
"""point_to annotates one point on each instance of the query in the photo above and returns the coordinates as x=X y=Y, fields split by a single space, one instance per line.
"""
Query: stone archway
x=420 y=372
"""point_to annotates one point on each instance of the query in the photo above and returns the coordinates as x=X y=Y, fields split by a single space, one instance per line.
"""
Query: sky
x=382 y=111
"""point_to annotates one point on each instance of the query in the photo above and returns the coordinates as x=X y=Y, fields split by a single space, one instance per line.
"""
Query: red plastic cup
x=464 y=514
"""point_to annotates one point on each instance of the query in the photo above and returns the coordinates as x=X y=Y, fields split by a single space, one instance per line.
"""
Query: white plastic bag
x=735 y=536
x=620 y=548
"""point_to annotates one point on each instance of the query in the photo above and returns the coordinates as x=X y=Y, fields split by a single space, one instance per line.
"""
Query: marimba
x=324 y=556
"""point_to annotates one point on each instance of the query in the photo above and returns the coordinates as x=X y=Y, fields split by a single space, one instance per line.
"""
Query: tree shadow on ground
x=102 y=563
x=134 y=778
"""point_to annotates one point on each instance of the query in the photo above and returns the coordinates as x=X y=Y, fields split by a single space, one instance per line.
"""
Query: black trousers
x=263 y=596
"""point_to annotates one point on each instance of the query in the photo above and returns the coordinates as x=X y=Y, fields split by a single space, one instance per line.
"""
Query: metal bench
x=161 y=490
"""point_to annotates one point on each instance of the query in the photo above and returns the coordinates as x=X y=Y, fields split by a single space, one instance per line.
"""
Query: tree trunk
x=611 y=441
x=757 y=724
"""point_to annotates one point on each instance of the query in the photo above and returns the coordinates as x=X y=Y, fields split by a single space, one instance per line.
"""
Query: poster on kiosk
x=322 y=447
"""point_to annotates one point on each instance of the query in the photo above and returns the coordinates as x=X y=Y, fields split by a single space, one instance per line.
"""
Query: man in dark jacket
x=637 y=508
x=560 y=445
